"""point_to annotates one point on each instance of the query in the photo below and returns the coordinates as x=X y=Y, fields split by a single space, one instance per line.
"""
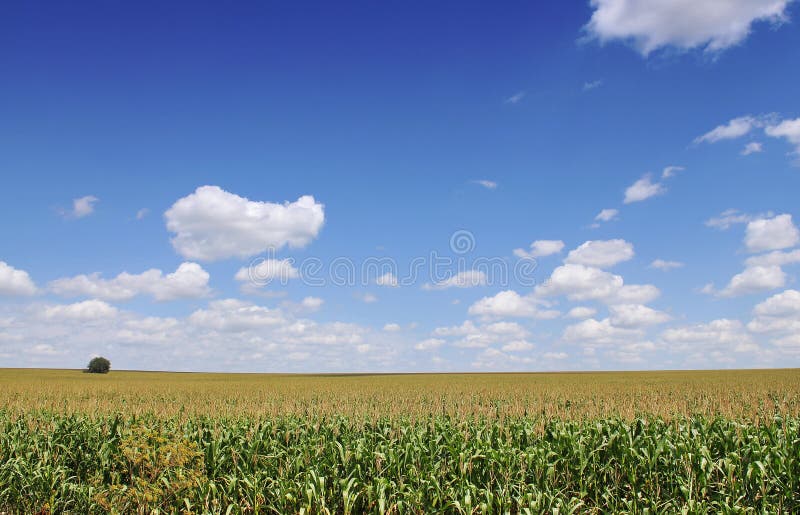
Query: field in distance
x=738 y=394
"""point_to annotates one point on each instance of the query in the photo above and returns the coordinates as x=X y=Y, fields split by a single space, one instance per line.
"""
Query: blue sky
x=186 y=145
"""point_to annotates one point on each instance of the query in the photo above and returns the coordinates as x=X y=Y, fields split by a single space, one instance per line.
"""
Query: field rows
x=72 y=463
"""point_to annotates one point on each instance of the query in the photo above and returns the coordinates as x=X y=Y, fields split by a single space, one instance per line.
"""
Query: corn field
x=424 y=460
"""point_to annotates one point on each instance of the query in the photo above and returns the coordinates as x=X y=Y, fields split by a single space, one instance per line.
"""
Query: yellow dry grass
x=740 y=394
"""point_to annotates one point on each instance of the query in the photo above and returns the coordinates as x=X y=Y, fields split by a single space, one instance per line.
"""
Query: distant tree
x=99 y=365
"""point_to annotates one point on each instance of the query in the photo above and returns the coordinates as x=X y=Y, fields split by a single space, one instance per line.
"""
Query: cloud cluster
x=683 y=24
x=212 y=224
x=14 y=282
x=190 y=280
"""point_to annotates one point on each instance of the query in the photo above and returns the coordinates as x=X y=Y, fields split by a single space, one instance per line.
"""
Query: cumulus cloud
x=581 y=312
x=464 y=279
x=600 y=332
x=517 y=346
x=391 y=327
x=515 y=98
x=754 y=279
x=14 y=281
x=509 y=303
x=774 y=233
x=722 y=333
x=579 y=282
x=588 y=86
x=779 y=314
x=736 y=128
x=670 y=171
x=601 y=253
x=775 y=258
x=469 y=335
x=190 y=280
x=787 y=129
x=142 y=213
x=387 y=279
x=212 y=224
x=429 y=344
x=660 y=264
x=636 y=315
x=266 y=271
x=682 y=24
x=540 y=248
x=753 y=147
x=225 y=335
x=311 y=303
x=85 y=311
x=83 y=206
x=606 y=215
x=489 y=185
x=731 y=217
x=643 y=189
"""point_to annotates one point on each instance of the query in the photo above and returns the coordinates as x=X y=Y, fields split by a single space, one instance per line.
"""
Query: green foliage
x=99 y=365
x=438 y=464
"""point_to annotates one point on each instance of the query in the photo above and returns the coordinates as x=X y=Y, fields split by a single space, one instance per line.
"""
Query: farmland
x=482 y=443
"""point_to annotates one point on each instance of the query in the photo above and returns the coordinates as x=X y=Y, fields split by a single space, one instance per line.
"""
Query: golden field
x=738 y=394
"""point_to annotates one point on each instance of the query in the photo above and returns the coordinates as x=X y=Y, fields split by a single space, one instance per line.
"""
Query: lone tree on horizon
x=99 y=365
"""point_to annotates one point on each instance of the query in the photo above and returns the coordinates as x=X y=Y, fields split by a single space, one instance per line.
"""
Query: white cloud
x=736 y=128
x=606 y=215
x=468 y=335
x=429 y=344
x=387 y=279
x=771 y=234
x=775 y=258
x=555 y=355
x=226 y=335
x=188 y=281
x=391 y=328
x=601 y=253
x=579 y=282
x=266 y=271
x=670 y=171
x=142 y=213
x=233 y=315
x=600 y=332
x=312 y=303
x=778 y=314
x=786 y=303
x=634 y=294
x=788 y=129
x=14 y=281
x=541 y=248
x=643 y=189
x=212 y=224
x=730 y=217
x=581 y=312
x=683 y=24
x=517 y=346
x=660 y=264
x=509 y=303
x=754 y=279
x=636 y=315
x=86 y=310
x=464 y=279
x=489 y=185
x=515 y=98
x=753 y=147
x=367 y=298
x=724 y=333
x=83 y=206
x=588 y=86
